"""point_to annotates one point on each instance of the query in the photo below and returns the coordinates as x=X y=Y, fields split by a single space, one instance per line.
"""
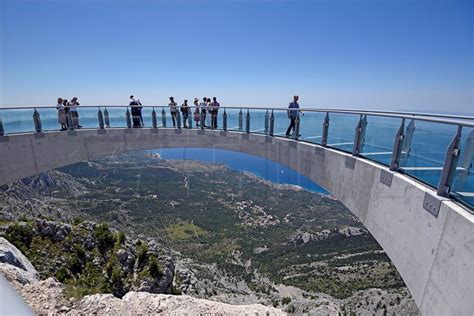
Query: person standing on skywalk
x=203 y=109
x=197 y=114
x=61 y=114
x=209 y=110
x=214 y=112
x=136 y=107
x=293 y=113
x=74 y=114
x=173 y=110
x=185 y=111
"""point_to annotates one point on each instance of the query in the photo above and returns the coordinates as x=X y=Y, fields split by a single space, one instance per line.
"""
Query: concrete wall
x=434 y=254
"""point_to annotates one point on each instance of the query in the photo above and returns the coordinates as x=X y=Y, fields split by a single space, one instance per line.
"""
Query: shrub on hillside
x=154 y=267
x=105 y=238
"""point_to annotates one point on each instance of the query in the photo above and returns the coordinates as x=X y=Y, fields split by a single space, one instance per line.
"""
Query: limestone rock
x=52 y=229
x=9 y=254
x=135 y=303
x=17 y=276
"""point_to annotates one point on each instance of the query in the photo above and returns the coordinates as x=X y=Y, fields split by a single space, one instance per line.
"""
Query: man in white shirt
x=135 y=100
x=136 y=107
x=173 y=110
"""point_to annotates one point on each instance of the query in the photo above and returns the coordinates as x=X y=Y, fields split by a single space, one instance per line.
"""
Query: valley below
x=137 y=223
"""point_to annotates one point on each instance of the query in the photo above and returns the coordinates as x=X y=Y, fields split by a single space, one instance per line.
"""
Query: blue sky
x=389 y=55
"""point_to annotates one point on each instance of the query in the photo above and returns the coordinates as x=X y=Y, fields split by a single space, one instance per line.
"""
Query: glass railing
x=312 y=132
x=377 y=144
x=425 y=149
x=423 y=143
x=463 y=187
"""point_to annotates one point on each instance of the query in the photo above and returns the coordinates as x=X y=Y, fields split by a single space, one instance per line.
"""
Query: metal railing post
x=154 y=122
x=163 y=117
x=408 y=138
x=324 y=138
x=266 y=122
x=450 y=164
x=100 y=117
x=127 y=117
x=106 y=118
x=224 y=121
x=247 y=122
x=272 y=124
x=2 y=130
x=240 y=120
x=364 y=129
x=37 y=121
x=397 y=147
x=359 y=135
x=297 y=127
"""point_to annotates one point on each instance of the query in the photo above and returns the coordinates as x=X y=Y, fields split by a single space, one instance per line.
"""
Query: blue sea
x=262 y=168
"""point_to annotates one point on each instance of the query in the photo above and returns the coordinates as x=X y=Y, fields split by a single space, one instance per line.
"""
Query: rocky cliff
x=50 y=296
x=89 y=257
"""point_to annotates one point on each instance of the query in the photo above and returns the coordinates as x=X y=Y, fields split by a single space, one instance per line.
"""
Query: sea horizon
x=302 y=106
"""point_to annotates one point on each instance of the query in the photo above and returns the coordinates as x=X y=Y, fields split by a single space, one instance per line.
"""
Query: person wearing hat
x=173 y=110
x=293 y=114
x=197 y=114
x=74 y=114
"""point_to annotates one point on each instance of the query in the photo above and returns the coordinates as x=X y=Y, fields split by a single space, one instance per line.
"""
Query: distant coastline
x=265 y=169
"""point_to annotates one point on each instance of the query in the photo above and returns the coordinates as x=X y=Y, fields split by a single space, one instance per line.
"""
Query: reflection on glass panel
x=341 y=131
x=281 y=122
x=233 y=119
x=17 y=121
x=311 y=126
x=88 y=117
x=49 y=118
x=117 y=116
x=163 y=117
x=257 y=121
x=424 y=150
x=377 y=143
x=146 y=116
x=463 y=184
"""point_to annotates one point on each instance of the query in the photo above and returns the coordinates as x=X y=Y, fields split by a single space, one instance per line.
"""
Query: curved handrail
x=338 y=110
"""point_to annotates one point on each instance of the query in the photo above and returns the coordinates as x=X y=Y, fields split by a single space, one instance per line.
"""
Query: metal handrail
x=339 y=110
x=426 y=117
x=414 y=114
